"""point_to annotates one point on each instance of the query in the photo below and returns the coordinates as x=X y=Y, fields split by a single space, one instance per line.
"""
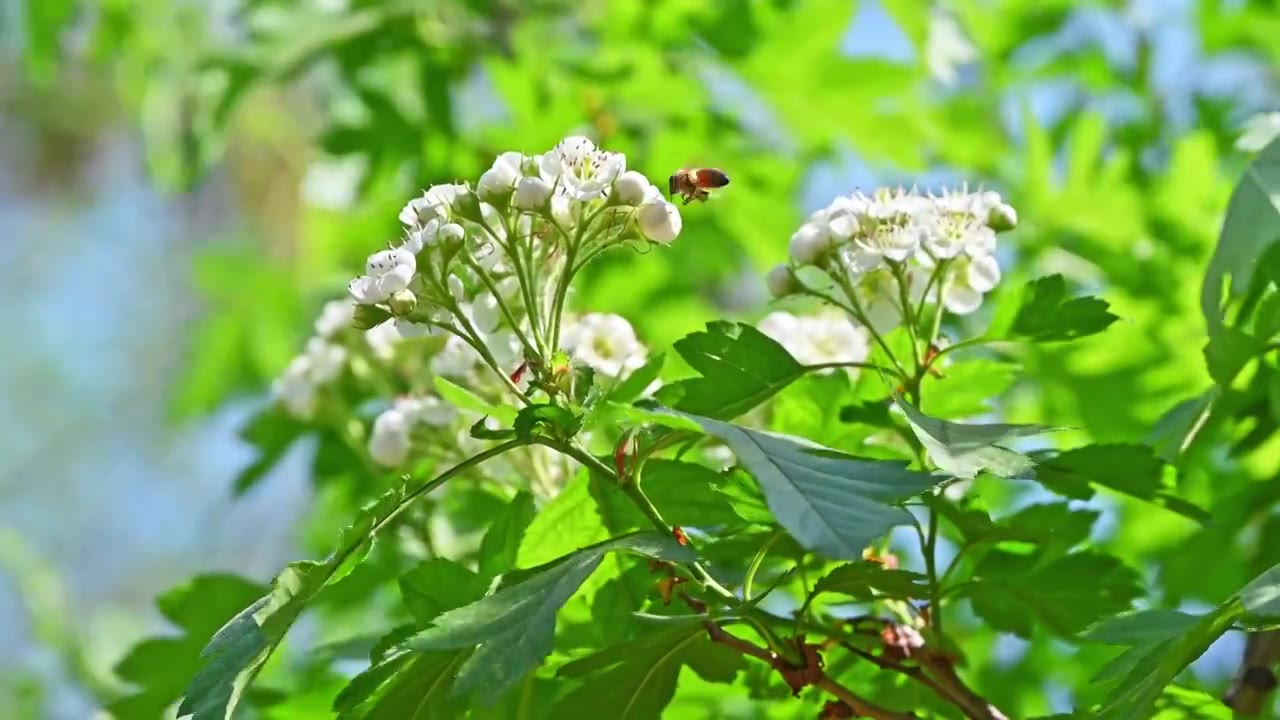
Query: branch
x=811 y=674
x=1255 y=681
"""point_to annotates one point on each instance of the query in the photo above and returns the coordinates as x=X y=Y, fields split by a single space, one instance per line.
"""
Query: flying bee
x=696 y=183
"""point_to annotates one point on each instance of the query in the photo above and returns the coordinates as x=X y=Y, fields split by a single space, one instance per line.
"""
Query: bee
x=696 y=183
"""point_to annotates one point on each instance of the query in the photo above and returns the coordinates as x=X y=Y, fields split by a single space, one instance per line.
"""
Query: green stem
x=502 y=306
x=860 y=365
x=756 y=562
x=526 y=280
x=478 y=345
x=856 y=309
x=907 y=313
x=931 y=569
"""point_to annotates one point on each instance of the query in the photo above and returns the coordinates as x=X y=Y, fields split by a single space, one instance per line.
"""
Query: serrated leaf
x=464 y=399
x=162 y=666
x=858 y=580
x=967 y=388
x=964 y=450
x=560 y=422
x=440 y=584
x=740 y=366
x=404 y=686
x=633 y=386
x=1139 y=628
x=1045 y=314
x=1249 y=230
x=828 y=501
x=237 y=652
x=1015 y=593
x=501 y=544
x=1261 y=597
x=1126 y=468
x=636 y=680
x=514 y=627
x=691 y=495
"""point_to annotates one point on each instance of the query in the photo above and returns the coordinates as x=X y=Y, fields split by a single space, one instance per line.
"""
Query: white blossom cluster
x=897 y=244
x=825 y=338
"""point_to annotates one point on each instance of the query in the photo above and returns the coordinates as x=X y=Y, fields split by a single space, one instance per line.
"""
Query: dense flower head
x=898 y=244
x=824 y=338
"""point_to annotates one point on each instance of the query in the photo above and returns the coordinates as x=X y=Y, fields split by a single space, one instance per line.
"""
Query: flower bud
x=389 y=443
x=780 y=281
x=466 y=204
x=1002 y=218
x=808 y=244
x=532 y=193
x=659 y=221
x=402 y=303
x=630 y=188
x=369 y=316
x=450 y=234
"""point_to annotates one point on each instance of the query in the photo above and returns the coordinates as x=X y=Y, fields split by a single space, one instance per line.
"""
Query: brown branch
x=859 y=705
x=1255 y=681
x=933 y=670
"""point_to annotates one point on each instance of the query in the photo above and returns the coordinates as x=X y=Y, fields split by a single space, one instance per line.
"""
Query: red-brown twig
x=811 y=674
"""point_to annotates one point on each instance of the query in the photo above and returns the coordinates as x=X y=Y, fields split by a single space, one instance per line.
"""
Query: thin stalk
x=756 y=562
x=479 y=346
x=908 y=314
x=502 y=306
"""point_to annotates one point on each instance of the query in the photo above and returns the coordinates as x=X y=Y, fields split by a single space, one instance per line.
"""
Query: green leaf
x=368 y=317
x=404 y=685
x=1261 y=597
x=967 y=388
x=740 y=366
x=162 y=666
x=1138 y=628
x=569 y=521
x=636 y=680
x=1250 y=228
x=859 y=579
x=1045 y=314
x=1012 y=592
x=691 y=495
x=1126 y=468
x=271 y=432
x=964 y=450
x=829 y=502
x=237 y=652
x=440 y=584
x=501 y=544
x=634 y=385
x=514 y=627
x=559 y=421
x=1229 y=352
x=464 y=399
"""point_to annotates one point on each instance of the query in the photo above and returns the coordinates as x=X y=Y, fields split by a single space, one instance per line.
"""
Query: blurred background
x=183 y=183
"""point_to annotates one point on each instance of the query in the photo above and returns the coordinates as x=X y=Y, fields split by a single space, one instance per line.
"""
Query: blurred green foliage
x=1127 y=204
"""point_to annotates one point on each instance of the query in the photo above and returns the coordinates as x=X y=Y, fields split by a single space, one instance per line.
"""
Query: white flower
x=485 y=313
x=423 y=236
x=451 y=233
x=631 y=188
x=382 y=340
x=336 y=316
x=564 y=210
x=809 y=243
x=532 y=193
x=817 y=339
x=327 y=360
x=295 y=389
x=1259 y=131
x=582 y=170
x=428 y=410
x=780 y=281
x=386 y=272
x=500 y=180
x=456 y=359
x=389 y=443
x=436 y=202
x=968 y=279
x=946 y=47
x=607 y=343
x=659 y=221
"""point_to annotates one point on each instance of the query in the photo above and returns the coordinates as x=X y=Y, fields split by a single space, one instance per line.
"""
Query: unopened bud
x=1002 y=218
x=369 y=316
x=781 y=282
x=403 y=302
x=467 y=205
x=630 y=188
x=659 y=221
x=451 y=234
x=532 y=193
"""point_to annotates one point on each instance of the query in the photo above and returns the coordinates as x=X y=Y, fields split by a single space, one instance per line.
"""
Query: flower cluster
x=889 y=252
x=825 y=338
